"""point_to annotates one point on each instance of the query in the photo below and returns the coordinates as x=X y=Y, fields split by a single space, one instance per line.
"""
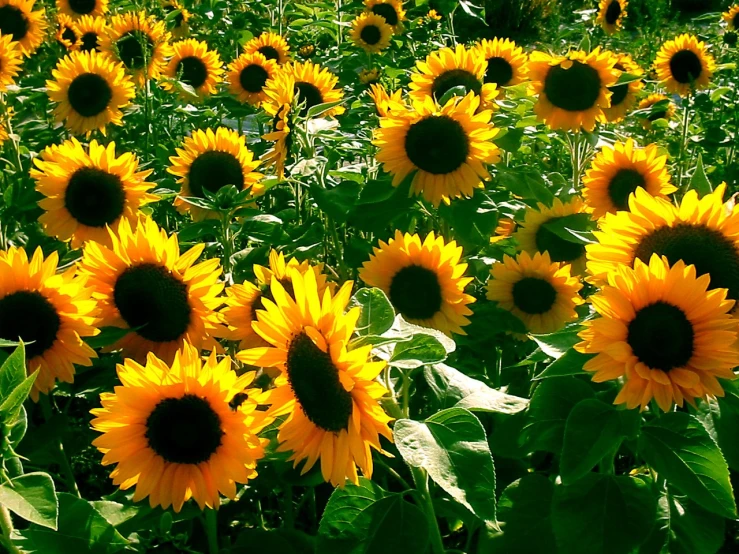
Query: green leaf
x=11 y=406
x=338 y=201
x=282 y=541
x=107 y=337
x=699 y=181
x=527 y=183
x=555 y=345
x=421 y=350
x=576 y=228
x=32 y=497
x=678 y=447
x=571 y=363
x=626 y=78
x=377 y=314
x=366 y=519
x=13 y=371
x=320 y=109
x=452 y=447
x=451 y=93
x=603 y=513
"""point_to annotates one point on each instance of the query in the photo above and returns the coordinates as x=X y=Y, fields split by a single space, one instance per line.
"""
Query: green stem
x=576 y=162
x=405 y=394
x=64 y=465
x=228 y=246
x=7 y=527
x=420 y=478
x=211 y=530
x=287 y=507
x=683 y=144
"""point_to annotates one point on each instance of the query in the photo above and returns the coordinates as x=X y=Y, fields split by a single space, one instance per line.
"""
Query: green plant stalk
x=228 y=245
x=211 y=530
x=7 y=527
x=683 y=143
x=64 y=465
x=420 y=478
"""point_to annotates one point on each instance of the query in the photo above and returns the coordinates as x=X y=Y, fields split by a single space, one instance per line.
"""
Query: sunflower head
x=279 y=103
x=663 y=332
x=314 y=85
x=623 y=97
x=504 y=230
x=611 y=15
x=66 y=32
x=10 y=61
x=661 y=107
x=390 y=10
x=79 y=8
x=184 y=436
x=370 y=76
x=248 y=76
x=177 y=18
x=732 y=17
x=271 y=45
x=385 y=102
x=507 y=64
x=683 y=65
x=25 y=26
x=91 y=30
x=194 y=65
x=371 y=32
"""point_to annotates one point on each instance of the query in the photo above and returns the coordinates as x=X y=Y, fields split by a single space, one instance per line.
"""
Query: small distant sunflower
x=67 y=34
x=505 y=229
x=617 y=172
x=391 y=10
x=77 y=8
x=573 y=90
x=178 y=24
x=88 y=189
x=542 y=294
x=140 y=42
x=371 y=33
x=732 y=17
x=22 y=24
x=447 y=147
x=10 y=61
x=433 y=15
x=247 y=76
x=424 y=280
x=507 y=64
x=280 y=97
x=684 y=65
x=90 y=89
x=702 y=232
x=369 y=76
x=329 y=393
x=611 y=15
x=663 y=332
x=243 y=300
x=210 y=160
x=91 y=30
x=271 y=45
x=143 y=283
x=446 y=69
x=667 y=113
x=533 y=236
x=174 y=433
x=306 y=51
x=316 y=85
x=385 y=102
x=49 y=312
x=195 y=65
x=623 y=97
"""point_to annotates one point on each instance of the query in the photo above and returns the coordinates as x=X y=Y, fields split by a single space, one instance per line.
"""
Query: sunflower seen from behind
x=91 y=30
x=271 y=45
x=51 y=312
x=623 y=97
x=210 y=160
x=78 y=8
x=66 y=32
x=390 y=10
x=507 y=64
x=541 y=293
x=87 y=189
x=90 y=90
x=144 y=284
x=616 y=172
x=248 y=75
x=24 y=25
x=178 y=22
x=654 y=103
x=447 y=147
x=684 y=65
x=611 y=15
x=314 y=85
x=663 y=333
x=424 y=280
x=731 y=16
x=573 y=90
x=328 y=392
x=173 y=433
x=196 y=66
x=10 y=61
x=371 y=32
x=279 y=103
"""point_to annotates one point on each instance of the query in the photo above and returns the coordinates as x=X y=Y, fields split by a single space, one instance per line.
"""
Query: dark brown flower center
x=193 y=71
x=94 y=197
x=455 y=78
x=575 y=89
x=622 y=185
x=415 y=292
x=437 y=144
x=613 y=12
x=685 y=66
x=135 y=49
x=269 y=52
x=560 y=250
x=30 y=317
x=499 y=71
x=212 y=170
x=308 y=93
x=387 y=11
x=253 y=78
x=533 y=295
x=89 y=42
x=370 y=34
x=661 y=336
x=89 y=94
x=13 y=22
x=82 y=7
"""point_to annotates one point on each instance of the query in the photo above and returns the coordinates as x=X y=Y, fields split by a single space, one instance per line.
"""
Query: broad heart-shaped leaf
x=366 y=519
x=81 y=529
x=603 y=513
x=32 y=496
x=571 y=363
x=452 y=447
x=680 y=449
x=557 y=344
x=453 y=388
x=377 y=315
x=699 y=181
x=13 y=371
x=422 y=349
x=338 y=201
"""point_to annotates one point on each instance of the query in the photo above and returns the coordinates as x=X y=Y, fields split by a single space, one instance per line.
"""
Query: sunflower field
x=369 y=276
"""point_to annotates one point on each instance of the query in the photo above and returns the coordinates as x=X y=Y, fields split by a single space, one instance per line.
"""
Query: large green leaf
x=603 y=513
x=452 y=447
x=32 y=497
x=12 y=404
x=699 y=181
x=679 y=448
x=421 y=350
x=558 y=343
x=570 y=363
x=13 y=371
x=377 y=314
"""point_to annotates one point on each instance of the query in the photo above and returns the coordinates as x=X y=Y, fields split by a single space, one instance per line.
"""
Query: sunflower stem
x=683 y=144
x=211 y=530
x=64 y=464
x=228 y=245
x=6 y=523
x=420 y=478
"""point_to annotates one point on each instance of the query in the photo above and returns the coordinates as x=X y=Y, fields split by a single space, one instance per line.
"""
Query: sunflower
x=702 y=232
x=87 y=190
x=272 y=46
x=210 y=160
x=616 y=172
x=67 y=34
x=424 y=280
x=663 y=332
x=180 y=27
x=684 y=65
x=315 y=85
x=280 y=96
x=533 y=236
x=623 y=97
x=22 y=24
x=174 y=432
x=10 y=61
x=90 y=89
x=505 y=229
x=140 y=42
x=611 y=15
x=49 y=312
x=369 y=76
x=143 y=283
x=91 y=30
x=371 y=32
x=507 y=64
x=573 y=90
x=245 y=299
x=542 y=294
x=667 y=113
x=77 y=8
x=247 y=76
x=447 y=69
x=391 y=10
x=328 y=392
x=433 y=15
x=195 y=65
x=732 y=17
x=384 y=102
x=447 y=147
